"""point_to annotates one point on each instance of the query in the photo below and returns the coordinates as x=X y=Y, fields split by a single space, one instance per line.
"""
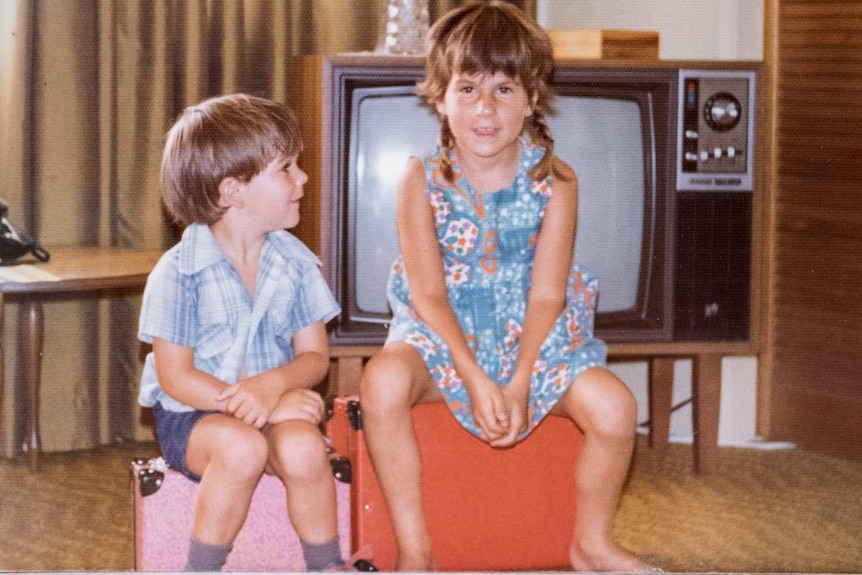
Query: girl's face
x=273 y=194
x=486 y=113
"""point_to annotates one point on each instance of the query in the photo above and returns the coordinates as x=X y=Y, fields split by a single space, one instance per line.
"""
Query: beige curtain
x=87 y=90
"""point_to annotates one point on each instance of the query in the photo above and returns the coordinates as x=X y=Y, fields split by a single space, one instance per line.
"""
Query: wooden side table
x=72 y=270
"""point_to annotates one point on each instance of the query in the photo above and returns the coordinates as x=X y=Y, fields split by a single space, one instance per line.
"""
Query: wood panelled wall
x=815 y=331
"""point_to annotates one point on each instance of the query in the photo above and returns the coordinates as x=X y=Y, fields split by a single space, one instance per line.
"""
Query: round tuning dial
x=722 y=111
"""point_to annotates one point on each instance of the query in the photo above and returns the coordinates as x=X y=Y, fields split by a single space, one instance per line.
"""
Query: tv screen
x=606 y=137
x=602 y=138
x=390 y=125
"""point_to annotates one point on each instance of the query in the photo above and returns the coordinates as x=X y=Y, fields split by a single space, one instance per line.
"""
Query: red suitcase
x=164 y=507
x=486 y=508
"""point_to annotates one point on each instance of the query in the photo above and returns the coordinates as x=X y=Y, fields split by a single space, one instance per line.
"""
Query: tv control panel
x=716 y=130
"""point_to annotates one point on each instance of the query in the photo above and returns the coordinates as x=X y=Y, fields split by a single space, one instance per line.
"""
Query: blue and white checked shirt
x=195 y=298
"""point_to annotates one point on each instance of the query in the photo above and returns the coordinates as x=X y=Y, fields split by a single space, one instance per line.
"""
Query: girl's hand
x=248 y=403
x=489 y=409
x=299 y=404
x=516 y=402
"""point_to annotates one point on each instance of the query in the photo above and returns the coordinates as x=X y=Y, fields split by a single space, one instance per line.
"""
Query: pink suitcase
x=164 y=507
x=487 y=509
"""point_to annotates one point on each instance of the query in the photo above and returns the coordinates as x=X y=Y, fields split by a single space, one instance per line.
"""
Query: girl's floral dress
x=488 y=243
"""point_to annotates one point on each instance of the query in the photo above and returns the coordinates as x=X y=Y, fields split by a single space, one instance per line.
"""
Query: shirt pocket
x=214 y=330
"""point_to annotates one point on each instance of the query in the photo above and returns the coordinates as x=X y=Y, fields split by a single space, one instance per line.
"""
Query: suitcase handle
x=354 y=414
x=342 y=470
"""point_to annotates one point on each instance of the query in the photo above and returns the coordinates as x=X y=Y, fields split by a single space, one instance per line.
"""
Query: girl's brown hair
x=233 y=136
x=486 y=38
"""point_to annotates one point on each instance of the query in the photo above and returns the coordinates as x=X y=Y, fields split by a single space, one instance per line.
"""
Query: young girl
x=490 y=313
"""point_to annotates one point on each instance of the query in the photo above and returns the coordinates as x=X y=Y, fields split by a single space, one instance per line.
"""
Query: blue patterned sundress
x=488 y=243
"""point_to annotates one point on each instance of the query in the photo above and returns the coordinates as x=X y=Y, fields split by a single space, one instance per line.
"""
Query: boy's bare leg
x=605 y=410
x=392 y=382
x=229 y=456
x=298 y=456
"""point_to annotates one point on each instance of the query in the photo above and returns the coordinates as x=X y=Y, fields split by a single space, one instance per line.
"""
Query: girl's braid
x=447 y=143
x=540 y=133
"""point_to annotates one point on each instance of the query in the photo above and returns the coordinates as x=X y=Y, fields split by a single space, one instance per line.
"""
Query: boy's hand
x=299 y=404
x=248 y=403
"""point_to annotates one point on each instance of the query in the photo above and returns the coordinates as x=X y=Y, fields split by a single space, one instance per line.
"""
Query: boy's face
x=272 y=196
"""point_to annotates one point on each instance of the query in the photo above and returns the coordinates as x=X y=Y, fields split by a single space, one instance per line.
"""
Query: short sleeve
x=169 y=304
x=314 y=300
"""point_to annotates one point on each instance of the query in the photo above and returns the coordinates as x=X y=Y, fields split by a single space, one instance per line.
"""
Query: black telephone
x=14 y=243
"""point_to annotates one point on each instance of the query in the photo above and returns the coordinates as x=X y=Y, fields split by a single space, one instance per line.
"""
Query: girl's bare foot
x=608 y=557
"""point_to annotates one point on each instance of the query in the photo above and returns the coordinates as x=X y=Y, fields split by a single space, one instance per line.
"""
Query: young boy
x=236 y=316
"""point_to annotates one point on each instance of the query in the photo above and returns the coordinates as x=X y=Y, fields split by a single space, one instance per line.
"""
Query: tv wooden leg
x=706 y=392
x=344 y=375
x=660 y=399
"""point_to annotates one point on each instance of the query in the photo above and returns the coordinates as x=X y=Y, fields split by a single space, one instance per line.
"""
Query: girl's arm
x=423 y=263
x=547 y=297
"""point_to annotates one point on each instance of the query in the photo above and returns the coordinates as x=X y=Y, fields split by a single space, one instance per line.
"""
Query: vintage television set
x=664 y=154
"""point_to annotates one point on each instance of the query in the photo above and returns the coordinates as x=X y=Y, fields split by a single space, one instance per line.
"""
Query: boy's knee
x=300 y=451
x=254 y=452
x=244 y=451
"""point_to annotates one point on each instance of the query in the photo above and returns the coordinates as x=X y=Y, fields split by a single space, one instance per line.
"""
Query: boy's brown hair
x=233 y=136
x=485 y=38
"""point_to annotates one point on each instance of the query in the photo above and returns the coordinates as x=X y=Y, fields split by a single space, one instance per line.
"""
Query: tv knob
x=722 y=111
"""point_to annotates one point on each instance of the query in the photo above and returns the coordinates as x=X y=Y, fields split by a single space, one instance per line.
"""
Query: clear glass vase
x=404 y=26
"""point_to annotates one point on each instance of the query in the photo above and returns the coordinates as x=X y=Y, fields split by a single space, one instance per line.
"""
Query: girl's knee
x=601 y=402
x=385 y=383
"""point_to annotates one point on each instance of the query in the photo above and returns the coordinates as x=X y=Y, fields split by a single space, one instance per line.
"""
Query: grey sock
x=204 y=557
x=320 y=556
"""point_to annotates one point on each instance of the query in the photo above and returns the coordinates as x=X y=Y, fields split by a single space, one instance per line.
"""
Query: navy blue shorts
x=173 y=430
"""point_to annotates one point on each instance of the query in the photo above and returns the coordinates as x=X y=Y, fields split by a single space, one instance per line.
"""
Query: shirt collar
x=199 y=249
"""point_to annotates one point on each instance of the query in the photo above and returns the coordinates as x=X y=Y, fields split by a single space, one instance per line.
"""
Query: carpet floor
x=785 y=511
